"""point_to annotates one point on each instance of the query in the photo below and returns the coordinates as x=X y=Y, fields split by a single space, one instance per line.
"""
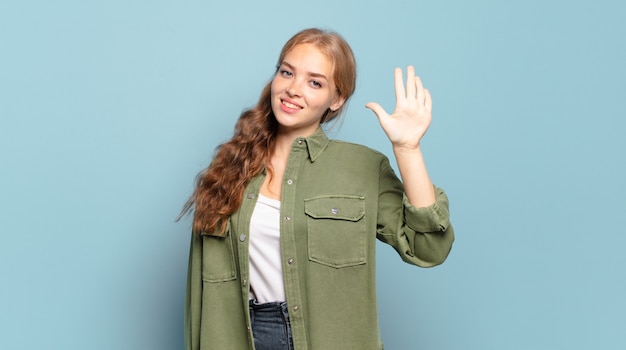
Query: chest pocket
x=218 y=261
x=336 y=230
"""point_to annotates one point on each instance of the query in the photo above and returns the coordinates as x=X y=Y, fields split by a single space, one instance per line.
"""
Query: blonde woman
x=286 y=220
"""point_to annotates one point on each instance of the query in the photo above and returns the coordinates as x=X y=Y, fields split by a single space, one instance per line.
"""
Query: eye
x=285 y=73
x=316 y=84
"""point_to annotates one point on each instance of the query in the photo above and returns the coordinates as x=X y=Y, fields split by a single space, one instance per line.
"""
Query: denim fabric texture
x=270 y=326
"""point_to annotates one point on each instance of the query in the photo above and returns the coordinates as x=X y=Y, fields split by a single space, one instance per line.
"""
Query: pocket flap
x=340 y=207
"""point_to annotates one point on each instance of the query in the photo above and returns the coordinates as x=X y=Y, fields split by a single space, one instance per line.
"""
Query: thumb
x=376 y=108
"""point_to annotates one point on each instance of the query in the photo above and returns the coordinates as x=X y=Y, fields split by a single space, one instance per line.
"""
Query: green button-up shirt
x=337 y=198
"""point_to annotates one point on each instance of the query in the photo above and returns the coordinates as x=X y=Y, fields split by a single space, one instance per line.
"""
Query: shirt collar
x=316 y=143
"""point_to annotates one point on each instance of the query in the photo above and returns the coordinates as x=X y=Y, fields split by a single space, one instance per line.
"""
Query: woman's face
x=303 y=90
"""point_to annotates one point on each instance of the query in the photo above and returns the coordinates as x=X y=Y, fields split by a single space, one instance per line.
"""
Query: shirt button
x=245 y=282
x=290 y=261
x=296 y=308
x=299 y=142
x=251 y=196
x=334 y=211
x=290 y=182
x=287 y=218
x=242 y=237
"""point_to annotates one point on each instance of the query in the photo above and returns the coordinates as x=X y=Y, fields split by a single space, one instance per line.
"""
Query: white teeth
x=290 y=105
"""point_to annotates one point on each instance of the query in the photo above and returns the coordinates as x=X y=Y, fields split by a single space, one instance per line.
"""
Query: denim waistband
x=271 y=306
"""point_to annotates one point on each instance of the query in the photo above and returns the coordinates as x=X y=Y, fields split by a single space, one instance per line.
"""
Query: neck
x=284 y=140
x=282 y=147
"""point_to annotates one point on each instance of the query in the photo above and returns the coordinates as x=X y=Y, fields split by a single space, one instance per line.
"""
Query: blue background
x=110 y=108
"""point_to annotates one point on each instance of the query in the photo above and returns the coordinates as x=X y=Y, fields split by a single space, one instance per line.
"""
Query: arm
x=425 y=236
x=405 y=129
x=422 y=236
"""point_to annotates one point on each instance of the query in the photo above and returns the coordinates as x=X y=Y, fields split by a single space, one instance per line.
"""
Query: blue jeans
x=270 y=326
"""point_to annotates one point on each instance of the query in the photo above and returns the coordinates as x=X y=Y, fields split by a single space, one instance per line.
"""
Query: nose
x=294 y=89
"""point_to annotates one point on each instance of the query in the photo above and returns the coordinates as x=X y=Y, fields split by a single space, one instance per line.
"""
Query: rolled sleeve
x=421 y=236
x=433 y=218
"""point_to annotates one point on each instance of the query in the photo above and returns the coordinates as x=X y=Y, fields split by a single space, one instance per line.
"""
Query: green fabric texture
x=337 y=199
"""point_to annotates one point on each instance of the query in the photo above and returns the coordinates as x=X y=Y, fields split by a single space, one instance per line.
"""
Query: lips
x=289 y=106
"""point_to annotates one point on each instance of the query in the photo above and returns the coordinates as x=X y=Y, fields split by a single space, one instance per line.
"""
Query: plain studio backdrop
x=109 y=109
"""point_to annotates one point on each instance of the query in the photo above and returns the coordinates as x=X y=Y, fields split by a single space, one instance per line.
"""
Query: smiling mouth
x=290 y=105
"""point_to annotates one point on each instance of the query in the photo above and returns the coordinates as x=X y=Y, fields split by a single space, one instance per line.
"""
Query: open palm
x=408 y=123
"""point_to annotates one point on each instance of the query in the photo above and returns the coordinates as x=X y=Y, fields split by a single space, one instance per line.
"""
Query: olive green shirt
x=337 y=198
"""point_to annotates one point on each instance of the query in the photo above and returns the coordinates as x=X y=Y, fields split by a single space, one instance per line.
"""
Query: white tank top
x=266 y=270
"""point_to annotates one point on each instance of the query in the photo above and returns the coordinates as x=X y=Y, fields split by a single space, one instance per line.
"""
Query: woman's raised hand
x=412 y=116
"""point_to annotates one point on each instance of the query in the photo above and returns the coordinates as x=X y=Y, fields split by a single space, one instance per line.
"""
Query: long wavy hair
x=220 y=187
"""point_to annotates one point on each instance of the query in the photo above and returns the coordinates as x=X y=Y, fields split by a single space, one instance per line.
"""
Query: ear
x=337 y=103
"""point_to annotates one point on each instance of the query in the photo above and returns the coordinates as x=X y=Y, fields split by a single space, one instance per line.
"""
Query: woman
x=285 y=220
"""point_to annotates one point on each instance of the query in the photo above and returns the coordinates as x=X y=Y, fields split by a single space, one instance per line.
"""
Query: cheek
x=277 y=84
x=273 y=90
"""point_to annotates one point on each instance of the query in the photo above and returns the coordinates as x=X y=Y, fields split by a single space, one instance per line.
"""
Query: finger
x=428 y=103
x=376 y=108
x=420 y=90
x=400 y=92
x=410 y=82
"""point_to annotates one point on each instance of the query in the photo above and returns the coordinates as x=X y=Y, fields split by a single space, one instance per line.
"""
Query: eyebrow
x=312 y=74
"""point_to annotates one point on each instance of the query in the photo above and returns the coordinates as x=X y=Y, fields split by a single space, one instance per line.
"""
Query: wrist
x=407 y=148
